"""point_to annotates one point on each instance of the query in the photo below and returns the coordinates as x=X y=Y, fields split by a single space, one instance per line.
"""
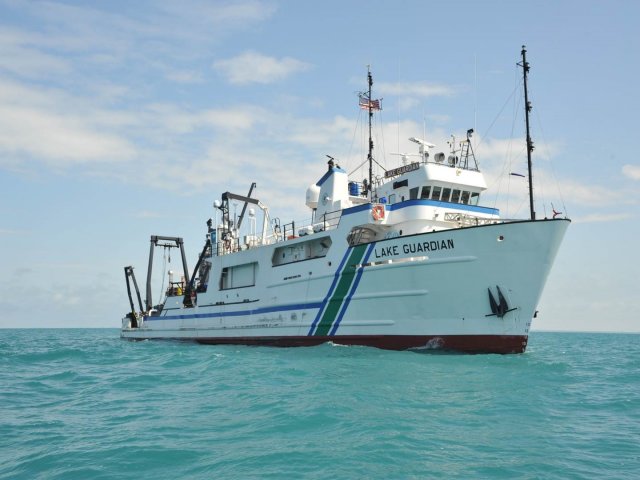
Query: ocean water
x=83 y=404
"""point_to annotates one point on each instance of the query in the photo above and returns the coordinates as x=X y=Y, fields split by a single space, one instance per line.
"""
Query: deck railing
x=288 y=231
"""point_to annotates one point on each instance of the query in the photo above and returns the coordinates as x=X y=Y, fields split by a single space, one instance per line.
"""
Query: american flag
x=366 y=104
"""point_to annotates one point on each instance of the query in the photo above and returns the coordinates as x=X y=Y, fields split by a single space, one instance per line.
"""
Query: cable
x=164 y=267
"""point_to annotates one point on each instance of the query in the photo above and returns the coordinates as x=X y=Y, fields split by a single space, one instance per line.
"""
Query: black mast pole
x=370 y=156
x=527 y=109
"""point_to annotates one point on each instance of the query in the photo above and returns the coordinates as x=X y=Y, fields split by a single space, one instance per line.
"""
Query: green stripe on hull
x=346 y=278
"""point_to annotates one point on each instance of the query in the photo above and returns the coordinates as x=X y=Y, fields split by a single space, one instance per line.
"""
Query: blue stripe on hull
x=239 y=313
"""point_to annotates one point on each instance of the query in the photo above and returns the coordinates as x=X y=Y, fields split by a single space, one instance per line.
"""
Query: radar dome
x=313 y=195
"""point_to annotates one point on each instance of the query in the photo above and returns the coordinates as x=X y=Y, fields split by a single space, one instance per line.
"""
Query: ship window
x=300 y=251
x=413 y=193
x=238 y=276
x=425 y=192
x=401 y=183
x=465 y=198
x=455 y=196
x=446 y=193
x=475 y=197
x=435 y=193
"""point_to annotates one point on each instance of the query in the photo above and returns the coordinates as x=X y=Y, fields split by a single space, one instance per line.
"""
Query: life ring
x=377 y=212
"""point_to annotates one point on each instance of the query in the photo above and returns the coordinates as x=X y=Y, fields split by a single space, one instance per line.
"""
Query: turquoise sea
x=83 y=404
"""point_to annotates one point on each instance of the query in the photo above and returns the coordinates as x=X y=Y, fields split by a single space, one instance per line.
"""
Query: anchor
x=499 y=308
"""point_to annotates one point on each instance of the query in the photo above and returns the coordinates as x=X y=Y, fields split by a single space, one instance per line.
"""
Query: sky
x=119 y=120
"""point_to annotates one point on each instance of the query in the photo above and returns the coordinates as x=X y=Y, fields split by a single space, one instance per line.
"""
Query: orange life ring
x=377 y=212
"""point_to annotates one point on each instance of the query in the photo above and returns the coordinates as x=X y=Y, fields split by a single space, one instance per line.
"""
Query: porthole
x=500 y=238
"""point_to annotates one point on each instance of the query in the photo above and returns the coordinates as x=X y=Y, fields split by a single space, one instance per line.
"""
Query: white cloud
x=187 y=77
x=55 y=127
x=253 y=67
x=410 y=94
x=406 y=104
x=234 y=118
x=590 y=194
x=416 y=89
x=162 y=121
x=61 y=139
x=631 y=171
x=603 y=217
x=512 y=149
x=439 y=119
x=154 y=37
x=70 y=28
x=21 y=58
x=217 y=15
x=318 y=133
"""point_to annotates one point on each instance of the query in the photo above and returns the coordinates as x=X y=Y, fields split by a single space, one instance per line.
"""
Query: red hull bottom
x=460 y=343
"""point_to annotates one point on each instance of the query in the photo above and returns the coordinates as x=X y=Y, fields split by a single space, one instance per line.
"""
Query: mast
x=370 y=155
x=527 y=109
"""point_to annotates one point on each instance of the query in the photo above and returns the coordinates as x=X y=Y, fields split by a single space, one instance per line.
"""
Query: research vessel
x=409 y=259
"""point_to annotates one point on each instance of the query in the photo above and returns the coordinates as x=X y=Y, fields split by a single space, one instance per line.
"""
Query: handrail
x=469 y=220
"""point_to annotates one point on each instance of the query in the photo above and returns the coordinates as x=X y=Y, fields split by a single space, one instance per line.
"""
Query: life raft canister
x=377 y=212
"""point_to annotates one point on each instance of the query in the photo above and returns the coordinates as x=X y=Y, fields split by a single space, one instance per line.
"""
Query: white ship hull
x=428 y=290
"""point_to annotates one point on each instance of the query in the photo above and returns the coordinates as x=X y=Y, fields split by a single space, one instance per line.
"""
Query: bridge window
x=446 y=193
x=475 y=197
x=413 y=193
x=435 y=193
x=465 y=198
x=455 y=196
x=425 y=192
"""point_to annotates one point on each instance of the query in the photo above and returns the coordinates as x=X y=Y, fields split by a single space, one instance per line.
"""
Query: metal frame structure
x=173 y=242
